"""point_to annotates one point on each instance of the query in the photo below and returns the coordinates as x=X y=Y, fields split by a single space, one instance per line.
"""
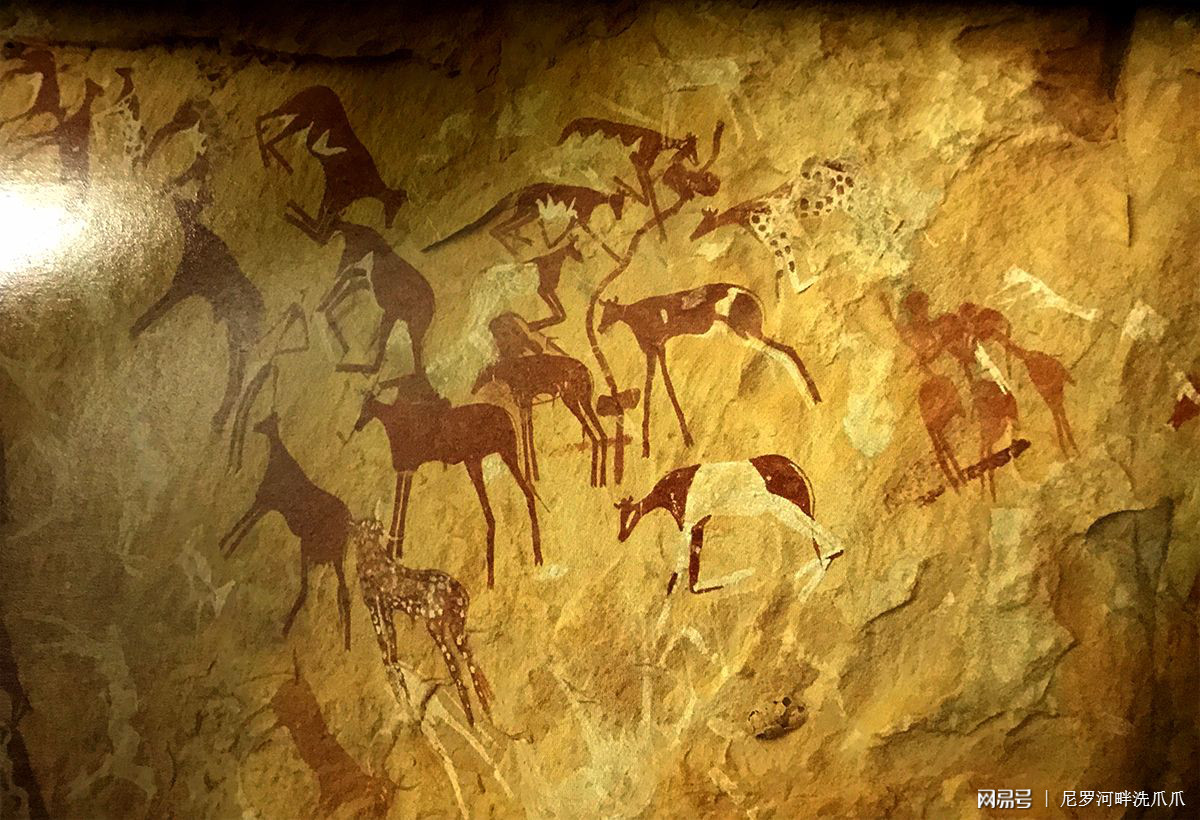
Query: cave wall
x=891 y=311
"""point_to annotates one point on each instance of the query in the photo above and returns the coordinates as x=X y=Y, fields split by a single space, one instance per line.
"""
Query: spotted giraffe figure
x=127 y=109
x=433 y=596
x=822 y=187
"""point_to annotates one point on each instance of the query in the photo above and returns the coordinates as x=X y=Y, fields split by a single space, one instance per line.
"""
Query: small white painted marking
x=1017 y=279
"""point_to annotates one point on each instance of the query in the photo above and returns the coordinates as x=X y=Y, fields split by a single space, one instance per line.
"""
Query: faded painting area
x=634 y=410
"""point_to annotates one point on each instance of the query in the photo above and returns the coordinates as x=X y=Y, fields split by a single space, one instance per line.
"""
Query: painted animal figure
x=47 y=100
x=399 y=289
x=523 y=206
x=422 y=427
x=647 y=146
x=547 y=377
x=764 y=485
x=72 y=136
x=1187 y=402
x=318 y=518
x=657 y=319
x=197 y=121
x=549 y=271
x=516 y=337
x=127 y=108
x=822 y=186
x=996 y=413
x=1049 y=377
x=349 y=169
x=209 y=270
x=340 y=779
x=434 y=597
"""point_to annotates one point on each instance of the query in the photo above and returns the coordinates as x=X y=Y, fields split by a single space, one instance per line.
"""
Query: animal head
x=124 y=72
x=916 y=304
x=708 y=222
x=572 y=249
x=366 y=412
x=92 y=89
x=392 y=199
x=610 y=313
x=630 y=515
x=268 y=425
x=616 y=201
x=688 y=149
x=186 y=116
x=1187 y=405
x=486 y=375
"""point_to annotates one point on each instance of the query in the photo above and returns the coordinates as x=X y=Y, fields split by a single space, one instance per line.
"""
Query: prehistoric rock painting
x=960 y=336
x=516 y=337
x=436 y=598
x=423 y=427
x=550 y=377
x=318 y=518
x=822 y=186
x=686 y=183
x=1187 y=402
x=523 y=206
x=71 y=136
x=764 y=485
x=291 y=317
x=340 y=778
x=196 y=121
x=648 y=146
x=549 y=270
x=208 y=269
x=401 y=292
x=349 y=169
x=979 y=470
x=656 y=319
x=127 y=109
x=40 y=63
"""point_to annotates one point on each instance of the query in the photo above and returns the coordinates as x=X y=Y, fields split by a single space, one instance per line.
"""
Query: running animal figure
x=648 y=145
x=399 y=289
x=209 y=270
x=349 y=169
x=436 y=598
x=695 y=312
x=764 y=485
x=523 y=206
x=48 y=100
x=548 y=377
x=319 y=519
x=72 y=136
x=821 y=187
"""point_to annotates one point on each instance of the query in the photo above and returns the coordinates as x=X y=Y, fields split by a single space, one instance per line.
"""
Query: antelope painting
x=765 y=485
x=548 y=377
x=423 y=427
x=349 y=169
x=695 y=312
x=401 y=292
x=517 y=209
x=318 y=518
x=648 y=145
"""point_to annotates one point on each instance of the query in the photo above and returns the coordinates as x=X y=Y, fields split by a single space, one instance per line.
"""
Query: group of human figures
x=963 y=341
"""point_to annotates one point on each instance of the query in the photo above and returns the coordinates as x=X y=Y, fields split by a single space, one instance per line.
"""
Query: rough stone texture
x=1042 y=164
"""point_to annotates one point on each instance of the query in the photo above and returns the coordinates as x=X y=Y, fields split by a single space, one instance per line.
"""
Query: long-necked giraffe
x=822 y=186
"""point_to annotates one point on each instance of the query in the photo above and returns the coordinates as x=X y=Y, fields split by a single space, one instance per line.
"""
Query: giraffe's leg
x=651 y=363
x=399 y=514
x=483 y=689
x=343 y=600
x=303 y=596
x=683 y=428
x=435 y=632
x=475 y=470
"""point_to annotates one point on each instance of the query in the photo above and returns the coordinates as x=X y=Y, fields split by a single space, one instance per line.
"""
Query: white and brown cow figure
x=767 y=484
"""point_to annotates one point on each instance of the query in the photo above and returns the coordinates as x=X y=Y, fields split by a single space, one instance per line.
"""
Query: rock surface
x=990 y=217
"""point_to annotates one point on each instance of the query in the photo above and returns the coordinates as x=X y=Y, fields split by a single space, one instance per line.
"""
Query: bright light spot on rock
x=37 y=224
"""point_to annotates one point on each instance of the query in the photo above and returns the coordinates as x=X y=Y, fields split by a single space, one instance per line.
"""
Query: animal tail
x=491 y=214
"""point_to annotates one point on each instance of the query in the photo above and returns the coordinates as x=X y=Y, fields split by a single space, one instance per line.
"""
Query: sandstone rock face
x=890 y=313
